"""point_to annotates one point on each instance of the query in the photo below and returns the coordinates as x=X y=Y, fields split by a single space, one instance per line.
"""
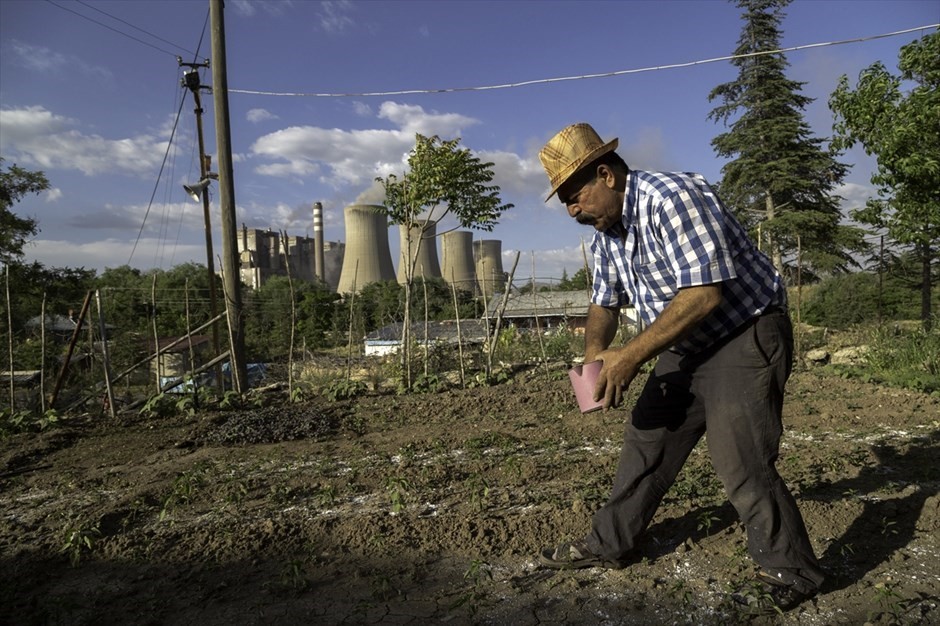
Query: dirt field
x=431 y=509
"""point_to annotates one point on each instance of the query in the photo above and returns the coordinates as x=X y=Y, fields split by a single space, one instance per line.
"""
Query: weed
x=706 y=520
x=294 y=575
x=297 y=395
x=79 y=540
x=186 y=405
x=478 y=574
x=888 y=527
x=231 y=400
x=479 y=491
x=326 y=496
x=382 y=588
x=160 y=405
x=513 y=465
x=681 y=592
x=343 y=390
x=185 y=487
x=426 y=383
x=397 y=488
x=889 y=600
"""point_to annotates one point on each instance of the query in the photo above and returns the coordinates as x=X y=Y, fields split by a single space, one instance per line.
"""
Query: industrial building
x=365 y=257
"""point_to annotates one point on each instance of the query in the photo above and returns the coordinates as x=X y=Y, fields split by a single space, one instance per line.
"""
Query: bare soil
x=431 y=508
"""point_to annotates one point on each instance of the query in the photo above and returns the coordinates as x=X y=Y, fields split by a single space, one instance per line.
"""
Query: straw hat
x=570 y=150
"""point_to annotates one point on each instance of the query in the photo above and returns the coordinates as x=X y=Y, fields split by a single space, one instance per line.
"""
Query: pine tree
x=780 y=178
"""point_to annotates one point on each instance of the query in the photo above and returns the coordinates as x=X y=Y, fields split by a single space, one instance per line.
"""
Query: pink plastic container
x=583 y=378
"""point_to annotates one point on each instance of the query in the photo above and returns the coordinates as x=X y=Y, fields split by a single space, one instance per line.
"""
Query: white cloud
x=259 y=115
x=128 y=218
x=854 y=196
x=352 y=157
x=106 y=253
x=362 y=109
x=334 y=15
x=53 y=194
x=38 y=137
x=412 y=119
x=46 y=61
x=248 y=8
x=515 y=174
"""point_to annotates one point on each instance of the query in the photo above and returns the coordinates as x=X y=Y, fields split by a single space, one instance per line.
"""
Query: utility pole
x=191 y=82
x=231 y=277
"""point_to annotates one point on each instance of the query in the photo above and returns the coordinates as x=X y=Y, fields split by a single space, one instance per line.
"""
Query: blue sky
x=91 y=102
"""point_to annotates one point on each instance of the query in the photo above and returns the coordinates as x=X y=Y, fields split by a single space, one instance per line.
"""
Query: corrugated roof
x=437 y=331
x=542 y=303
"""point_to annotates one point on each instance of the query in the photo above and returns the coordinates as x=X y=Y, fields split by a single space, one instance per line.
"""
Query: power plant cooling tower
x=457 y=260
x=487 y=254
x=367 y=258
x=423 y=251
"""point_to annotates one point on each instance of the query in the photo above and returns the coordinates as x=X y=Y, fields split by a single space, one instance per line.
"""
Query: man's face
x=595 y=203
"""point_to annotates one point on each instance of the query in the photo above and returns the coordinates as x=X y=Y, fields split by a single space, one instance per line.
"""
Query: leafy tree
x=901 y=129
x=779 y=175
x=268 y=317
x=16 y=183
x=580 y=281
x=125 y=299
x=64 y=288
x=442 y=179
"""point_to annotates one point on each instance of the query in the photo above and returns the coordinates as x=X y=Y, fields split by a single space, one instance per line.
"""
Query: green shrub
x=343 y=389
x=847 y=299
x=907 y=359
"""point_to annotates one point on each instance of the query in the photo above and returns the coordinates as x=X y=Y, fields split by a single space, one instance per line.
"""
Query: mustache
x=585 y=219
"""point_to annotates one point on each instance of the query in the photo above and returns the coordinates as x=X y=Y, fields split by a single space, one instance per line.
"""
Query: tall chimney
x=318 y=265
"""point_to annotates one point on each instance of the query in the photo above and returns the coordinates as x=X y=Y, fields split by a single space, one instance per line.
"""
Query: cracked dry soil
x=431 y=509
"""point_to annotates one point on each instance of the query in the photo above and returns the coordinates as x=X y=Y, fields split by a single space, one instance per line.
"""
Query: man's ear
x=606 y=174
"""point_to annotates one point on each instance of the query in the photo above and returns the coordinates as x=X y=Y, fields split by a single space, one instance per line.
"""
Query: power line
x=120 y=32
x=169 y=145
x=542 y=81
x=137 y=28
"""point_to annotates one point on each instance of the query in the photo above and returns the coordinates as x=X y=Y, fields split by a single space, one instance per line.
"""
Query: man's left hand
x=615 y=377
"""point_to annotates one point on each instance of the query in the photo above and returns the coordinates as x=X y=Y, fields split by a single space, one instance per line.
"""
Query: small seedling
x=78 y=541
x=397 y=488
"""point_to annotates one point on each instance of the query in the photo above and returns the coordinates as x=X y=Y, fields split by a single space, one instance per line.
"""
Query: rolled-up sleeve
x=692 y=226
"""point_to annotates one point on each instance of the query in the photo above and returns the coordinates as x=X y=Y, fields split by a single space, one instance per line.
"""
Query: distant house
x=59 y=327
x=387 y=340
x=548 y=310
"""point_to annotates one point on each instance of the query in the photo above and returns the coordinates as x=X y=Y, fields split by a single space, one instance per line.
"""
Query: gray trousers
x=734 y=392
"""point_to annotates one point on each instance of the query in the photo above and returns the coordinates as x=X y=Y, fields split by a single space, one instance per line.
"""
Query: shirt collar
x=619 y=230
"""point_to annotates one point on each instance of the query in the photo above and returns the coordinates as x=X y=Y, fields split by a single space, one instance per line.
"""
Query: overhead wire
x=169 y=146
x=153 y=194
x=137 y=28
x=541 y=81
x=121 y=32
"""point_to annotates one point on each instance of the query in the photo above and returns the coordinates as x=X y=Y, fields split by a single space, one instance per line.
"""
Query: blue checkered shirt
x=676 y=234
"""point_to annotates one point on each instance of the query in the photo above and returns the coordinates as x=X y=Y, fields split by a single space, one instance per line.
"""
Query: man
x=714 y=312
